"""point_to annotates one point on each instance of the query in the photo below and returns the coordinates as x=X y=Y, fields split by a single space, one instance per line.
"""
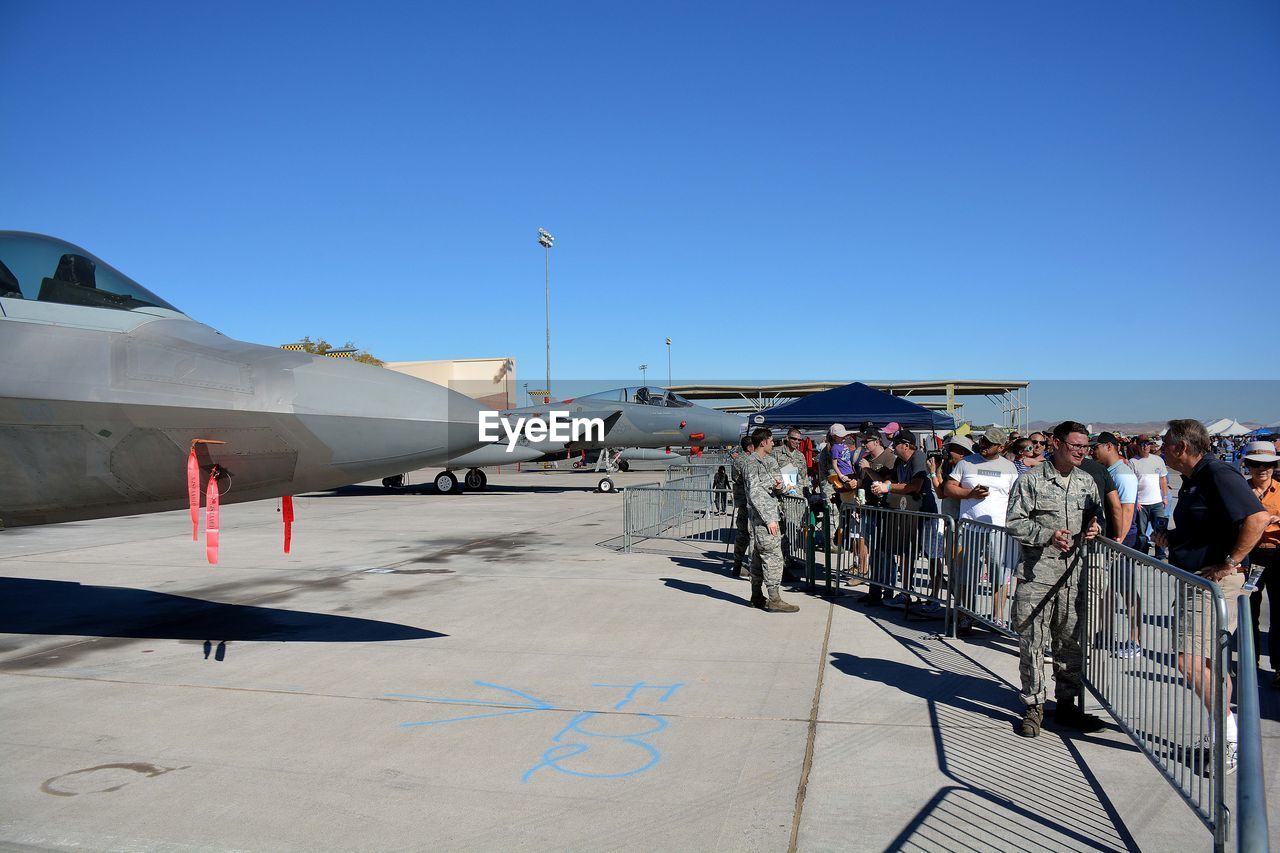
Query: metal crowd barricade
x=795 y=531
x=1140 y=618
x=984 y=573
x=1251 y=793
x=678 y=511
x=905 y=552
x=689 y=476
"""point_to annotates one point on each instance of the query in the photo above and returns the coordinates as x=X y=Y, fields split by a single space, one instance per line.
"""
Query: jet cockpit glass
x=645 y=395
x=43 y=269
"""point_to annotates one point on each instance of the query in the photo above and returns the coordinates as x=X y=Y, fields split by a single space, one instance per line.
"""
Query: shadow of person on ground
x=703 y=589
x=968 y=692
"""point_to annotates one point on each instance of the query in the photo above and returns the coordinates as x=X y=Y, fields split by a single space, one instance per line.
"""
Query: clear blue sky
x=1089 y=189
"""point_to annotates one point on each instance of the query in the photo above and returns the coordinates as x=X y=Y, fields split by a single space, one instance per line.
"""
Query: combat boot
x=1032 y=720
x=775 y=604
x=757 y=593
x=737 y=569
x=1069 y=716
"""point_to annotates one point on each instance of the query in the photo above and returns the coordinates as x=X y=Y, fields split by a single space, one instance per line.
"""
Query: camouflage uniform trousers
x=1058 y=622
x=766 y=556
x=742 y=536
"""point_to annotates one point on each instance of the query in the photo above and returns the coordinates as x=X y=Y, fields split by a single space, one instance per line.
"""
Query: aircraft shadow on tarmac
x=29 y=606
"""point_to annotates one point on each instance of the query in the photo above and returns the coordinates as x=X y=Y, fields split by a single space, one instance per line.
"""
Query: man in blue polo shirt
x=1216 y=523
x=1106 y=449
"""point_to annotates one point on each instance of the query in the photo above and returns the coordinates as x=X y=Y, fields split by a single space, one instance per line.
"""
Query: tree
x=321 y=346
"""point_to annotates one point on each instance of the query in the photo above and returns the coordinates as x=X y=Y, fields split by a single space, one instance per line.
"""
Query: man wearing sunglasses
x=1217 y=521
x=1052 y=511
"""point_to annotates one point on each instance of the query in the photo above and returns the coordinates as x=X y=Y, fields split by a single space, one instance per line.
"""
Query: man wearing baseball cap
x=982 y=482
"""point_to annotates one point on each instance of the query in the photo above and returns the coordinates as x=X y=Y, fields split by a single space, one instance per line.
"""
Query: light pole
x=643 y=368
x=668 y=362
x=546 y=241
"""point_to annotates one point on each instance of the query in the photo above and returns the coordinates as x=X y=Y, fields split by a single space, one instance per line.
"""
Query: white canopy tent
x=1227 y=426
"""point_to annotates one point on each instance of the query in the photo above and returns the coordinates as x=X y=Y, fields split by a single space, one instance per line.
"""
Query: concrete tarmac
x=486 y=671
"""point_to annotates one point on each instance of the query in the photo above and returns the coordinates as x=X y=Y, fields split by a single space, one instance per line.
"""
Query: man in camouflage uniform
x=1052 y=511
x=742 y=539
x=762 y=483
x=784 y=454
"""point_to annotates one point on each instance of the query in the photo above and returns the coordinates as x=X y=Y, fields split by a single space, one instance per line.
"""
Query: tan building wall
x=489 y=381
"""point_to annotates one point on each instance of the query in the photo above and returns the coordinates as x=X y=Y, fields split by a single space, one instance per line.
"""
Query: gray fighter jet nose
x=730 y=428
x=713 y=429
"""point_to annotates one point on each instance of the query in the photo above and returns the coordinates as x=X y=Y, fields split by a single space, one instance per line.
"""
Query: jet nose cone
x=722 y=428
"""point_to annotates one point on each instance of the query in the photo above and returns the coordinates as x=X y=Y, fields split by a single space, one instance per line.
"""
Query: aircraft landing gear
x=476 y=479
x=606 y=486
x=624 y=465
x=396 y=482
x=447 y=483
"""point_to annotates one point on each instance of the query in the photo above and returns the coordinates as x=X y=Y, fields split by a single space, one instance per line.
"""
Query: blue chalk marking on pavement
x=471 y=717
x=538 y=704
x=640 y=685
x=553 y=757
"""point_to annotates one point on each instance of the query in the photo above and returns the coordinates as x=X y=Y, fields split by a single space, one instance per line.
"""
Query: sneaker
x=932 y=610
x=1231 y=758
x=899 y=601
x=1126 y=651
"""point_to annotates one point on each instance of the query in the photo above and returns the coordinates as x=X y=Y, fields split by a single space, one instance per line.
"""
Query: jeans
x=1156 y=511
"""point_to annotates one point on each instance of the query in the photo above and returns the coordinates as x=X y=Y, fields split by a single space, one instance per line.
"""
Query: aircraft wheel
x=576 y=464
x=476 y=479
x=447 y=483
x=624 y=466
x=396 y=482
x=606 y=486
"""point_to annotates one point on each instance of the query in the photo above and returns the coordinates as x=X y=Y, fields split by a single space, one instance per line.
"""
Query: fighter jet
x=106 y=389
x=637 y=417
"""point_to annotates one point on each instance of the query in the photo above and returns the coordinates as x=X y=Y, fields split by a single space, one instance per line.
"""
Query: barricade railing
x=689 y=476
x=676 y=511
x=984 y=571
x=794 y=517
x=1251 y=792
x=898 y=550
x=1146 y=630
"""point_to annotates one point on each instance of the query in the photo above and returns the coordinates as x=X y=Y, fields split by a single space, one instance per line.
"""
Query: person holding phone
x=983 y=481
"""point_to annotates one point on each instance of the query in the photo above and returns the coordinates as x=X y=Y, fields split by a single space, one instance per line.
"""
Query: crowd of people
x=1051 y=493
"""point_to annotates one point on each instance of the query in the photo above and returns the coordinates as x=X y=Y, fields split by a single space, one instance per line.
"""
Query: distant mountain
x=1121 y=427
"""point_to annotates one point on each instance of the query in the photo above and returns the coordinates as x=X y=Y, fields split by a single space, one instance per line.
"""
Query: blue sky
x=1022 y=190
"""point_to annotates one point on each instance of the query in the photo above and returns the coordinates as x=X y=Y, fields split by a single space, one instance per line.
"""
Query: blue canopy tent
x=853 y=405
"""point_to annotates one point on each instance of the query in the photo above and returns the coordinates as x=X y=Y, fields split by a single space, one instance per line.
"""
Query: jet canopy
x=43 y=269
x=645 y=395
